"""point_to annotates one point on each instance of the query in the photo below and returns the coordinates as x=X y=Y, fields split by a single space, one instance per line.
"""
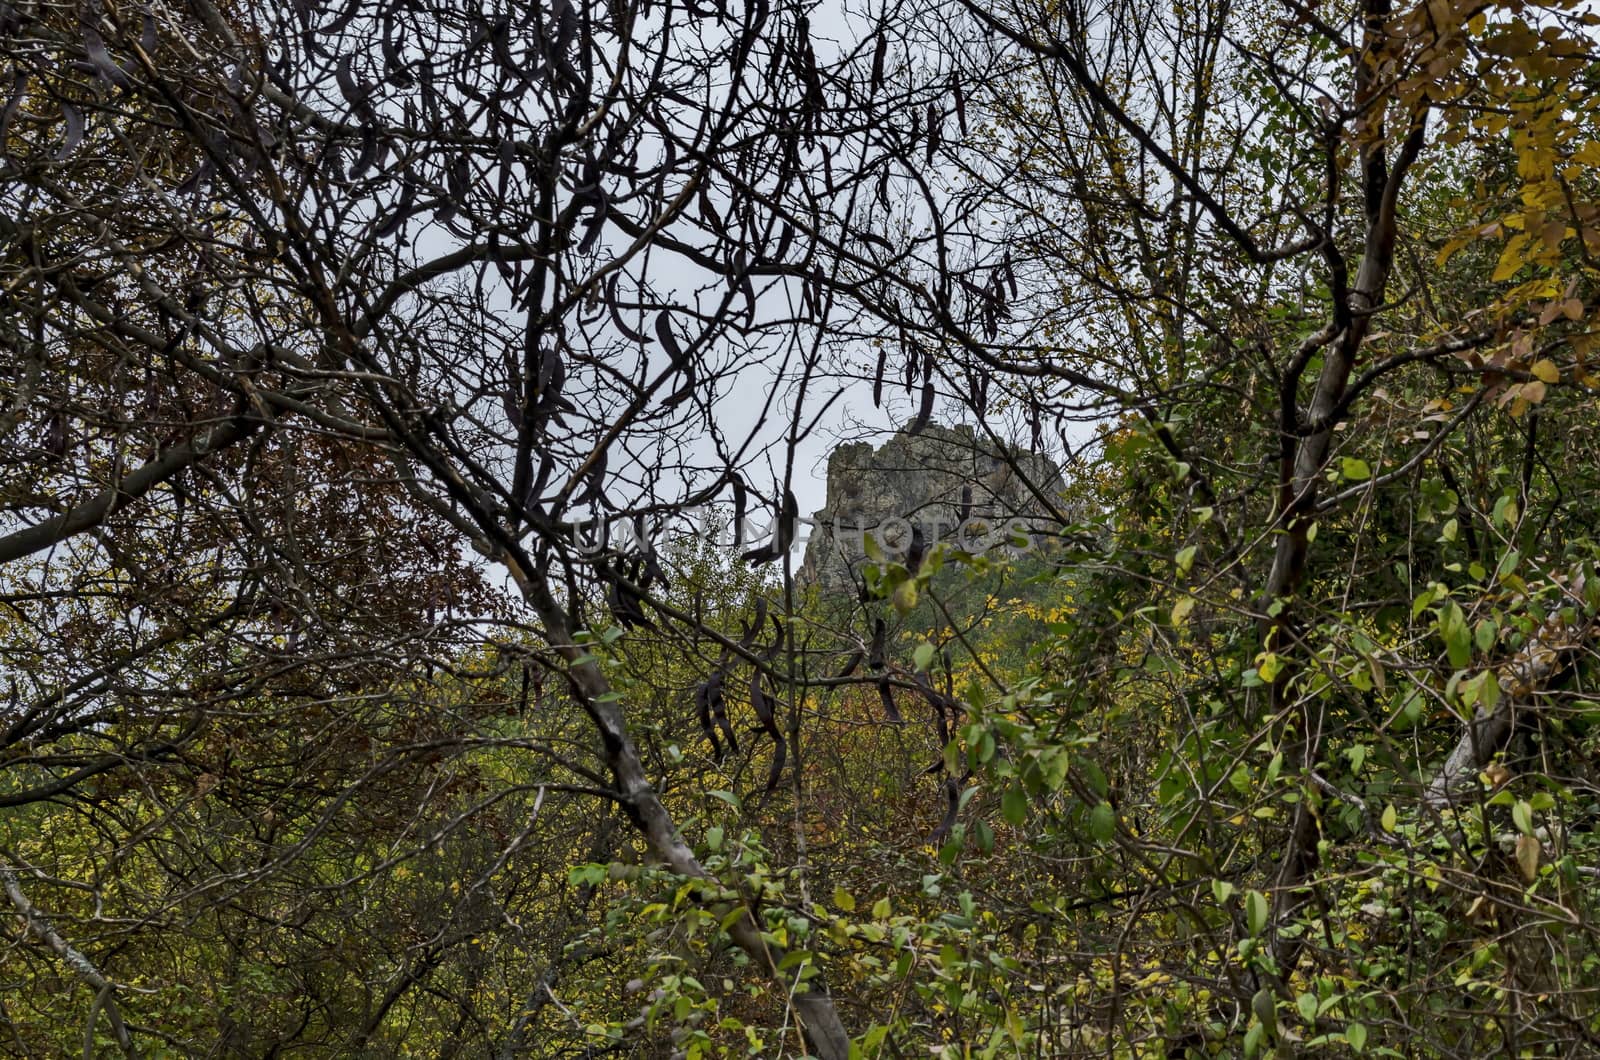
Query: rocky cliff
x=941 y=484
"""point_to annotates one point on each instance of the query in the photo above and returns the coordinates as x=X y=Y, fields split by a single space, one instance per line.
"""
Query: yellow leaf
x=1181 y=609
x=1545 y=371
x=844 y=899
x=1588 y=154
x=1511 y=259
x=1450 y=248
x=1528 y=857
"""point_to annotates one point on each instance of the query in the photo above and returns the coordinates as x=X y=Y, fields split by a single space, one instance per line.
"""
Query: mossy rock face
x=942 y=483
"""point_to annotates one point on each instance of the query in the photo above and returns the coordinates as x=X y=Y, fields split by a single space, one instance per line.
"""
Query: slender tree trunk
x=814 y=1009
x=1306 y=441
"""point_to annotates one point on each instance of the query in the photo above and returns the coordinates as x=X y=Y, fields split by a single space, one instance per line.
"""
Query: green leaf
x=844 y=900
x=1508 y=564
x=1410 y=709
x=986 y=747
x=1356 y=1035
x=1094 y=776
x=1489 y=691
x=1014 y=804
x=1265 y=1006
x=1420 y=604
x=922 y=658
x=1457 y=638
x=1255 y=910
x=983 y=835
x=1307 y=1004
x=1357 y=754
x=1221 y=890
x=1522 y=817
x=1186 y=558
x=1103 y=822
x=1355 y=470
x=1388 y=820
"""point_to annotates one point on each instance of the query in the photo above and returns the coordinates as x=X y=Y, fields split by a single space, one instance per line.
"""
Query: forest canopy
x=405 y=415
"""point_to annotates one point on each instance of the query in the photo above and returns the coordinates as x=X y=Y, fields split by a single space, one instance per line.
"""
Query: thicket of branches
x=332 y=331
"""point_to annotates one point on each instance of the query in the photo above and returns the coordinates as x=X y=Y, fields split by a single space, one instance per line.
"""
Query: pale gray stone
x=916 y=481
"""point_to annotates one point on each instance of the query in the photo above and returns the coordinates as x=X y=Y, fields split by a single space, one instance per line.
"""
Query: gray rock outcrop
x=942 y=484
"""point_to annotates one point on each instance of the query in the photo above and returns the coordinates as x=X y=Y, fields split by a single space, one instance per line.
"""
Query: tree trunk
x=814 y=1009
x=1529 y=672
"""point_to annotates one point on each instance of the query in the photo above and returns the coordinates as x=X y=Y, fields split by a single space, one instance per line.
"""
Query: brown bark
x=814 y=1009
x=1307 y=440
